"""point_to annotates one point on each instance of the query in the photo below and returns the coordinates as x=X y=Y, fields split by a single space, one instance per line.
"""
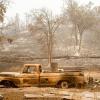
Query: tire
x=8 y=84
x=64 y=85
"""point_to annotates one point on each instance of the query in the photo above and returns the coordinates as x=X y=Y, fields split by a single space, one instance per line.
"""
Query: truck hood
x=9 y=74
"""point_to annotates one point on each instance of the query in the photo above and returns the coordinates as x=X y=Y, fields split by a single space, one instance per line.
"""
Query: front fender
x=15 y=81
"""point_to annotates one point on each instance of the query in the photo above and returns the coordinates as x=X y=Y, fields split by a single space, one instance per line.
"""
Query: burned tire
x=64 y=85
x=8 y=84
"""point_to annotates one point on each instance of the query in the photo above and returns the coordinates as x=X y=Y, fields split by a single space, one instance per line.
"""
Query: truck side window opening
x=25 y=70
x=29 y=69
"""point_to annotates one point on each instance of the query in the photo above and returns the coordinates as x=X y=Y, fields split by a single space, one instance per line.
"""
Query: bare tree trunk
x=50 y=50
x=76 y=36
x=77 y=40
x=80 y=42
x=49 y=55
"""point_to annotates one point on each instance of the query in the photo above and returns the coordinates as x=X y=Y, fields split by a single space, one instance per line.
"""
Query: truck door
x=44 y=78
x=30 y=76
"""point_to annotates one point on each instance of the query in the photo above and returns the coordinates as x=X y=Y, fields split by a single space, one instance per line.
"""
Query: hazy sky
x=23 y=6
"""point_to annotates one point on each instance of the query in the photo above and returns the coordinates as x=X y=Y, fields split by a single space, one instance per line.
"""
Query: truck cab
x=31 y=74
x=28 y=76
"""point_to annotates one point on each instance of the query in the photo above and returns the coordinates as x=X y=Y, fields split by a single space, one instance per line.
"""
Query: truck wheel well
x=62 y=83
x=59 y=83
x=3 y=82
x=70 y=84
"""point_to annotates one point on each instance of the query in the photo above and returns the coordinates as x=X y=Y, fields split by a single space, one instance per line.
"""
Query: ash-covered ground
x=50 y=93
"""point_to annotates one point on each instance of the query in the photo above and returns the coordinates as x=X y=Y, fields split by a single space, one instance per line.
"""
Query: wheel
x=64 y=85
x=8 y=84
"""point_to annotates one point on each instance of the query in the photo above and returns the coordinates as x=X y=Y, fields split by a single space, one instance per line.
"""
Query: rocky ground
x=49 y=93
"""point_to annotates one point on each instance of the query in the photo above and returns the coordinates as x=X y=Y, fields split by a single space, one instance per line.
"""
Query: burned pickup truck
x=32 y=75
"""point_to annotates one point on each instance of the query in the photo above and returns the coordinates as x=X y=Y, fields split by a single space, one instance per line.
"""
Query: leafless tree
x=82 y=19
x=47 y=24
x=3 y=8
x=96 y=28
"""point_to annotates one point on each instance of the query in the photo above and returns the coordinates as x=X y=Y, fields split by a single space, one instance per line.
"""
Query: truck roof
x=32 y=64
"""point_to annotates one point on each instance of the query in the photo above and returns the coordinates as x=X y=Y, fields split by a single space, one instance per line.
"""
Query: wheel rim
x=64 y=85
